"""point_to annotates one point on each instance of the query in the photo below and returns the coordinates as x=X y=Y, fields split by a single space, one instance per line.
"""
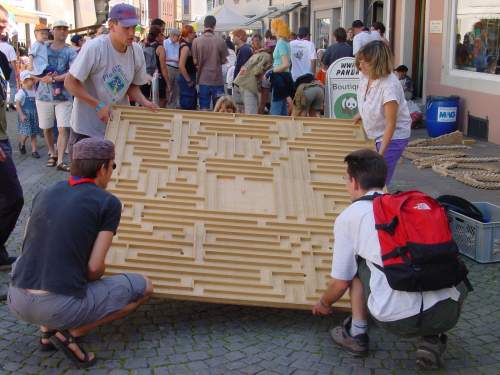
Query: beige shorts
x=48 y=112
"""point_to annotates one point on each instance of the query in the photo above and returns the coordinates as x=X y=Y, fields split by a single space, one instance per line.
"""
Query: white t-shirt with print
x=371 y=106
x=107 y=75
x=303 y=51
x=363 y=38
x=355 y=235
x=21 y=95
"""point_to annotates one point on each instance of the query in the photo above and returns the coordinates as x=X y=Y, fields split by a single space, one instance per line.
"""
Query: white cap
x=60 y=23
x=25 y=74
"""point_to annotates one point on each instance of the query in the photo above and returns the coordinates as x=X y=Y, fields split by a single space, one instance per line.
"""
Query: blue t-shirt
x=60 y=60
x=282 y=49
x=57 y=260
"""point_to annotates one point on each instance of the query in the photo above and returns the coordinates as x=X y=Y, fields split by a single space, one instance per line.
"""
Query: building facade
x=327 y=15
x=462 y=57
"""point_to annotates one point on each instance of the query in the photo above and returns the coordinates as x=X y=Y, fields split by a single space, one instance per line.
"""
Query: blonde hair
x=225 y=104
x=378 y=56
x=280 y=28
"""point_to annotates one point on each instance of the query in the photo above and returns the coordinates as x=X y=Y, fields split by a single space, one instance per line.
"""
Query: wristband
x=100 y=106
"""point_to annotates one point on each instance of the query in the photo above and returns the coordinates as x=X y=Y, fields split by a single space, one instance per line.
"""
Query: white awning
x=286 y=9
x=261 y=16
x=227 y=20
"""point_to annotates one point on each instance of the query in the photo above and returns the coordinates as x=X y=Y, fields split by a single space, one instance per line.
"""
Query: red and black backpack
x=417 y=248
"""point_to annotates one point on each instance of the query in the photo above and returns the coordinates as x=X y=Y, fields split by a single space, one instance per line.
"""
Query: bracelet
x=322 y=303
x=100 y=106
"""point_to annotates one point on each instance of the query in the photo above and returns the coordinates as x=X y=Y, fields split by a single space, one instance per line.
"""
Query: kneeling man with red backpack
x=396 y=256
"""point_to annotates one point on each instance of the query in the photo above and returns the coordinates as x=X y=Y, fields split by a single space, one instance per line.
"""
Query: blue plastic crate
x=477 y=240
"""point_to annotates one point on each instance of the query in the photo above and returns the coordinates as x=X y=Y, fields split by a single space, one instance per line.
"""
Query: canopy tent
x=227 y=20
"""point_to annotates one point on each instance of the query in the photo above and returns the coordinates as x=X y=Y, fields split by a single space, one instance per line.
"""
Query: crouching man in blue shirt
x=57 y=281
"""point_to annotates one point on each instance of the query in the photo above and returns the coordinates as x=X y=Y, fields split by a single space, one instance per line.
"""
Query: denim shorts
x=57 y=311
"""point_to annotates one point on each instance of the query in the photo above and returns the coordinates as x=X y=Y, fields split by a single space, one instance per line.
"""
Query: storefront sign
x=342 y=83
x=436 y=27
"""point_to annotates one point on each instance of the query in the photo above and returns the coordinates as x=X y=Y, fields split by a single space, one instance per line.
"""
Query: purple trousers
x=392 y=155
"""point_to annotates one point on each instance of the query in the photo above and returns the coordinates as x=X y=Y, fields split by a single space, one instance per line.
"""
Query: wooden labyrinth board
x=229 y=208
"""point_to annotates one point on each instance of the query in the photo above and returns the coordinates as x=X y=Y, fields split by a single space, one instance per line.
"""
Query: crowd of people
x=57 y=282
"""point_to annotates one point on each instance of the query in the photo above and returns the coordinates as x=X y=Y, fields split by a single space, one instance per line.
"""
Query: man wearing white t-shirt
x=108 y=70
x=356 y=267
x=303 y=54
x=362 y=36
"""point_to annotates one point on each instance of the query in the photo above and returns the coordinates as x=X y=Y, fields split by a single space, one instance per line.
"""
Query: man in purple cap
x=57 y=283
x=108 y=70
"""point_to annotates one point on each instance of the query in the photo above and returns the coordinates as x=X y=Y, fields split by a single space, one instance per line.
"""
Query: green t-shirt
x=282 y=49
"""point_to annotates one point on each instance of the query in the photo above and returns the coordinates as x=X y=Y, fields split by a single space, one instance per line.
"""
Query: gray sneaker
x=429 y=351
x=357 y=345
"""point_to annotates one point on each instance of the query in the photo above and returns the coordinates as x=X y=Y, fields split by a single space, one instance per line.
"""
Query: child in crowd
x=402 y=74
x=225 y=104
x=321 y=73
x=39 y=61
x=38 y=53
x=27 y=118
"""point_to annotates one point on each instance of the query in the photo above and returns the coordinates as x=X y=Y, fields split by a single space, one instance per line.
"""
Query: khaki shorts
x=48 y=112
x=315 y=97
x=56 y=311
x=440 y=318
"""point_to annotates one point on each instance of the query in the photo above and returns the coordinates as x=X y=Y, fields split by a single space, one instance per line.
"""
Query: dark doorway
x=418 y=48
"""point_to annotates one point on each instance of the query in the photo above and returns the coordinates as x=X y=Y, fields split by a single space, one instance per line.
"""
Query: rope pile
x=446 y=156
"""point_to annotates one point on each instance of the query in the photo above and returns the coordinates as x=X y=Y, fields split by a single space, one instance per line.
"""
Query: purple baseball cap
x=125 y=14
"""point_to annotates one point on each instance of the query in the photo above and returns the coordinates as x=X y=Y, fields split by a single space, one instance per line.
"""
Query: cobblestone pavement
x=173 y=337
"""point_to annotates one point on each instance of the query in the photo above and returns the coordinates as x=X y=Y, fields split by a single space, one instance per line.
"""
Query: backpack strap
x=390 y=227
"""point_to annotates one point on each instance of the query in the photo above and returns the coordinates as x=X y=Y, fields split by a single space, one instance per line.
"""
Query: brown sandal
x=70 y=354
x=63 y=167
x=52 y=161
x=47 y=347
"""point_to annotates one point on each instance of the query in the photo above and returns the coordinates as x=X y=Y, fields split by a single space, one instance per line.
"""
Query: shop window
x=477 y=39
x=323 y=32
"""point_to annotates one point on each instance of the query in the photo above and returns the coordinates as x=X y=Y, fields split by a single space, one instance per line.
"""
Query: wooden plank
x=229 y=208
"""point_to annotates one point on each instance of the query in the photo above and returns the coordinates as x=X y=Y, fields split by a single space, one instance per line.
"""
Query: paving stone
x=251 y=370
x=196 y=356
x=135 y=363
x=234 y=356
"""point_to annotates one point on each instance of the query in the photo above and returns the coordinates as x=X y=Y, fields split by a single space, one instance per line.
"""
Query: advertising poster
x=341 y=85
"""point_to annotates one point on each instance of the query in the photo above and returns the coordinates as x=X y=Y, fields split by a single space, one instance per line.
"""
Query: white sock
x=358 y=327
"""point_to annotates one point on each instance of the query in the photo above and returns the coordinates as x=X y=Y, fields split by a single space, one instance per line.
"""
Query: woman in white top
x=382 y=104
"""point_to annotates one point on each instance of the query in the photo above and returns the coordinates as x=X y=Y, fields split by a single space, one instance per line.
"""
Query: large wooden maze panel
x=229 y=208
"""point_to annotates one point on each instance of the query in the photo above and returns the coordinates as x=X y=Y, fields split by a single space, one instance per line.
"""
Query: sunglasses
x=114 y=165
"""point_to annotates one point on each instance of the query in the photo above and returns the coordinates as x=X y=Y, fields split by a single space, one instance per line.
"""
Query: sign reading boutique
x=342 y=81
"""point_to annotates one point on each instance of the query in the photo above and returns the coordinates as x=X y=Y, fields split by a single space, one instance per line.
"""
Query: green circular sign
x=346 y=106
